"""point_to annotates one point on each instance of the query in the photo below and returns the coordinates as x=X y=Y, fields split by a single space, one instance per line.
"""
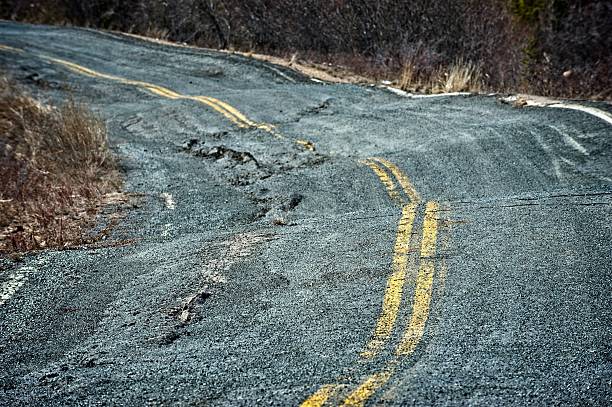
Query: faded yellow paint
x=386 y=181
x=309 y=145
x=241 y=117
x=11 y=49
x=228 y=115
x=368 y=388
x=420 y=309
x=423 y=289
x=395 y=285
x=320 y=397
x=402 y=179
x=228 y=111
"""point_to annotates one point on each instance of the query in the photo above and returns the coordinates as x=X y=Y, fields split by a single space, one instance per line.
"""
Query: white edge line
x=605 y=116
x=436 y=95
x=400 y=92
x=14 y=283
x=601 y=114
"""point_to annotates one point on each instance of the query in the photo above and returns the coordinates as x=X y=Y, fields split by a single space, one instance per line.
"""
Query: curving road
x=302 y=243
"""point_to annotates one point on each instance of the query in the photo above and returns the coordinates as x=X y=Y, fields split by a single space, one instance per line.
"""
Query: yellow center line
x=395 y=285
x=232 y=110
x=224 y=112
x=228 y=111
x=155 y=89
x=320 y=397
x=7 y=48
x=422 y=295
x=369 y=387
x=386 y=181
x=402 y=178
x=420 y=312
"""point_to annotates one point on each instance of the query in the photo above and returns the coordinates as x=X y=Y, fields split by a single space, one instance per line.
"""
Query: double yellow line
x=401 y=191
x=223 y=108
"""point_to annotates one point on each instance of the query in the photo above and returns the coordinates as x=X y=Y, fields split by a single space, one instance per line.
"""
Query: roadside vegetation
x=57 y=172
x=546 y=47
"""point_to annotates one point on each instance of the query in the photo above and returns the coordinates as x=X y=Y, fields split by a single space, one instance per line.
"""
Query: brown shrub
x=56 y=171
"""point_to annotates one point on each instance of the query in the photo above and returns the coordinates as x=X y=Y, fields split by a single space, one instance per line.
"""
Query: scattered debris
x=167 y=338
x=279 y=222
x=185 y=312
x=320 y=107
x=517 y=101
x=168 y=200
x=520 y=102
x=39 y=80
x=208 y=72
x=248 y=172
x=218 y=152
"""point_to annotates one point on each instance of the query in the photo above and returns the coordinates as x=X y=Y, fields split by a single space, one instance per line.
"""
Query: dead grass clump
x=461 y=76
x=408 y=78
x=157 y=33
x=56 y=172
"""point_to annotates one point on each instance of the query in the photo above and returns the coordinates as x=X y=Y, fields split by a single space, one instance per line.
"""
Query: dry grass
x=157 y=33
x=461 y=76
x=56 y=172
x=408 y=78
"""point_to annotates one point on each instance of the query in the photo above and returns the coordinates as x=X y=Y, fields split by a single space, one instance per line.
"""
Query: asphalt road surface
x=298 y=242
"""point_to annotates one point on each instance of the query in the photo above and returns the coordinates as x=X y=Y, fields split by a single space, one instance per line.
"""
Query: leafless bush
x=518 y=45
x=56 y=171
x=574 y=38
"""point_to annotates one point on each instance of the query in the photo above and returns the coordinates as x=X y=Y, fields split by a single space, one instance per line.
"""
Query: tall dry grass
x=56 y=170
x=460 y=76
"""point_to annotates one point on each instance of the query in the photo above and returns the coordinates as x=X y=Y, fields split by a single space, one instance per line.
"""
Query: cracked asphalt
x=298 y=242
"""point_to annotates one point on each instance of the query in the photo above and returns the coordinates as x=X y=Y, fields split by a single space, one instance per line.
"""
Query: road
x=304 y=243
